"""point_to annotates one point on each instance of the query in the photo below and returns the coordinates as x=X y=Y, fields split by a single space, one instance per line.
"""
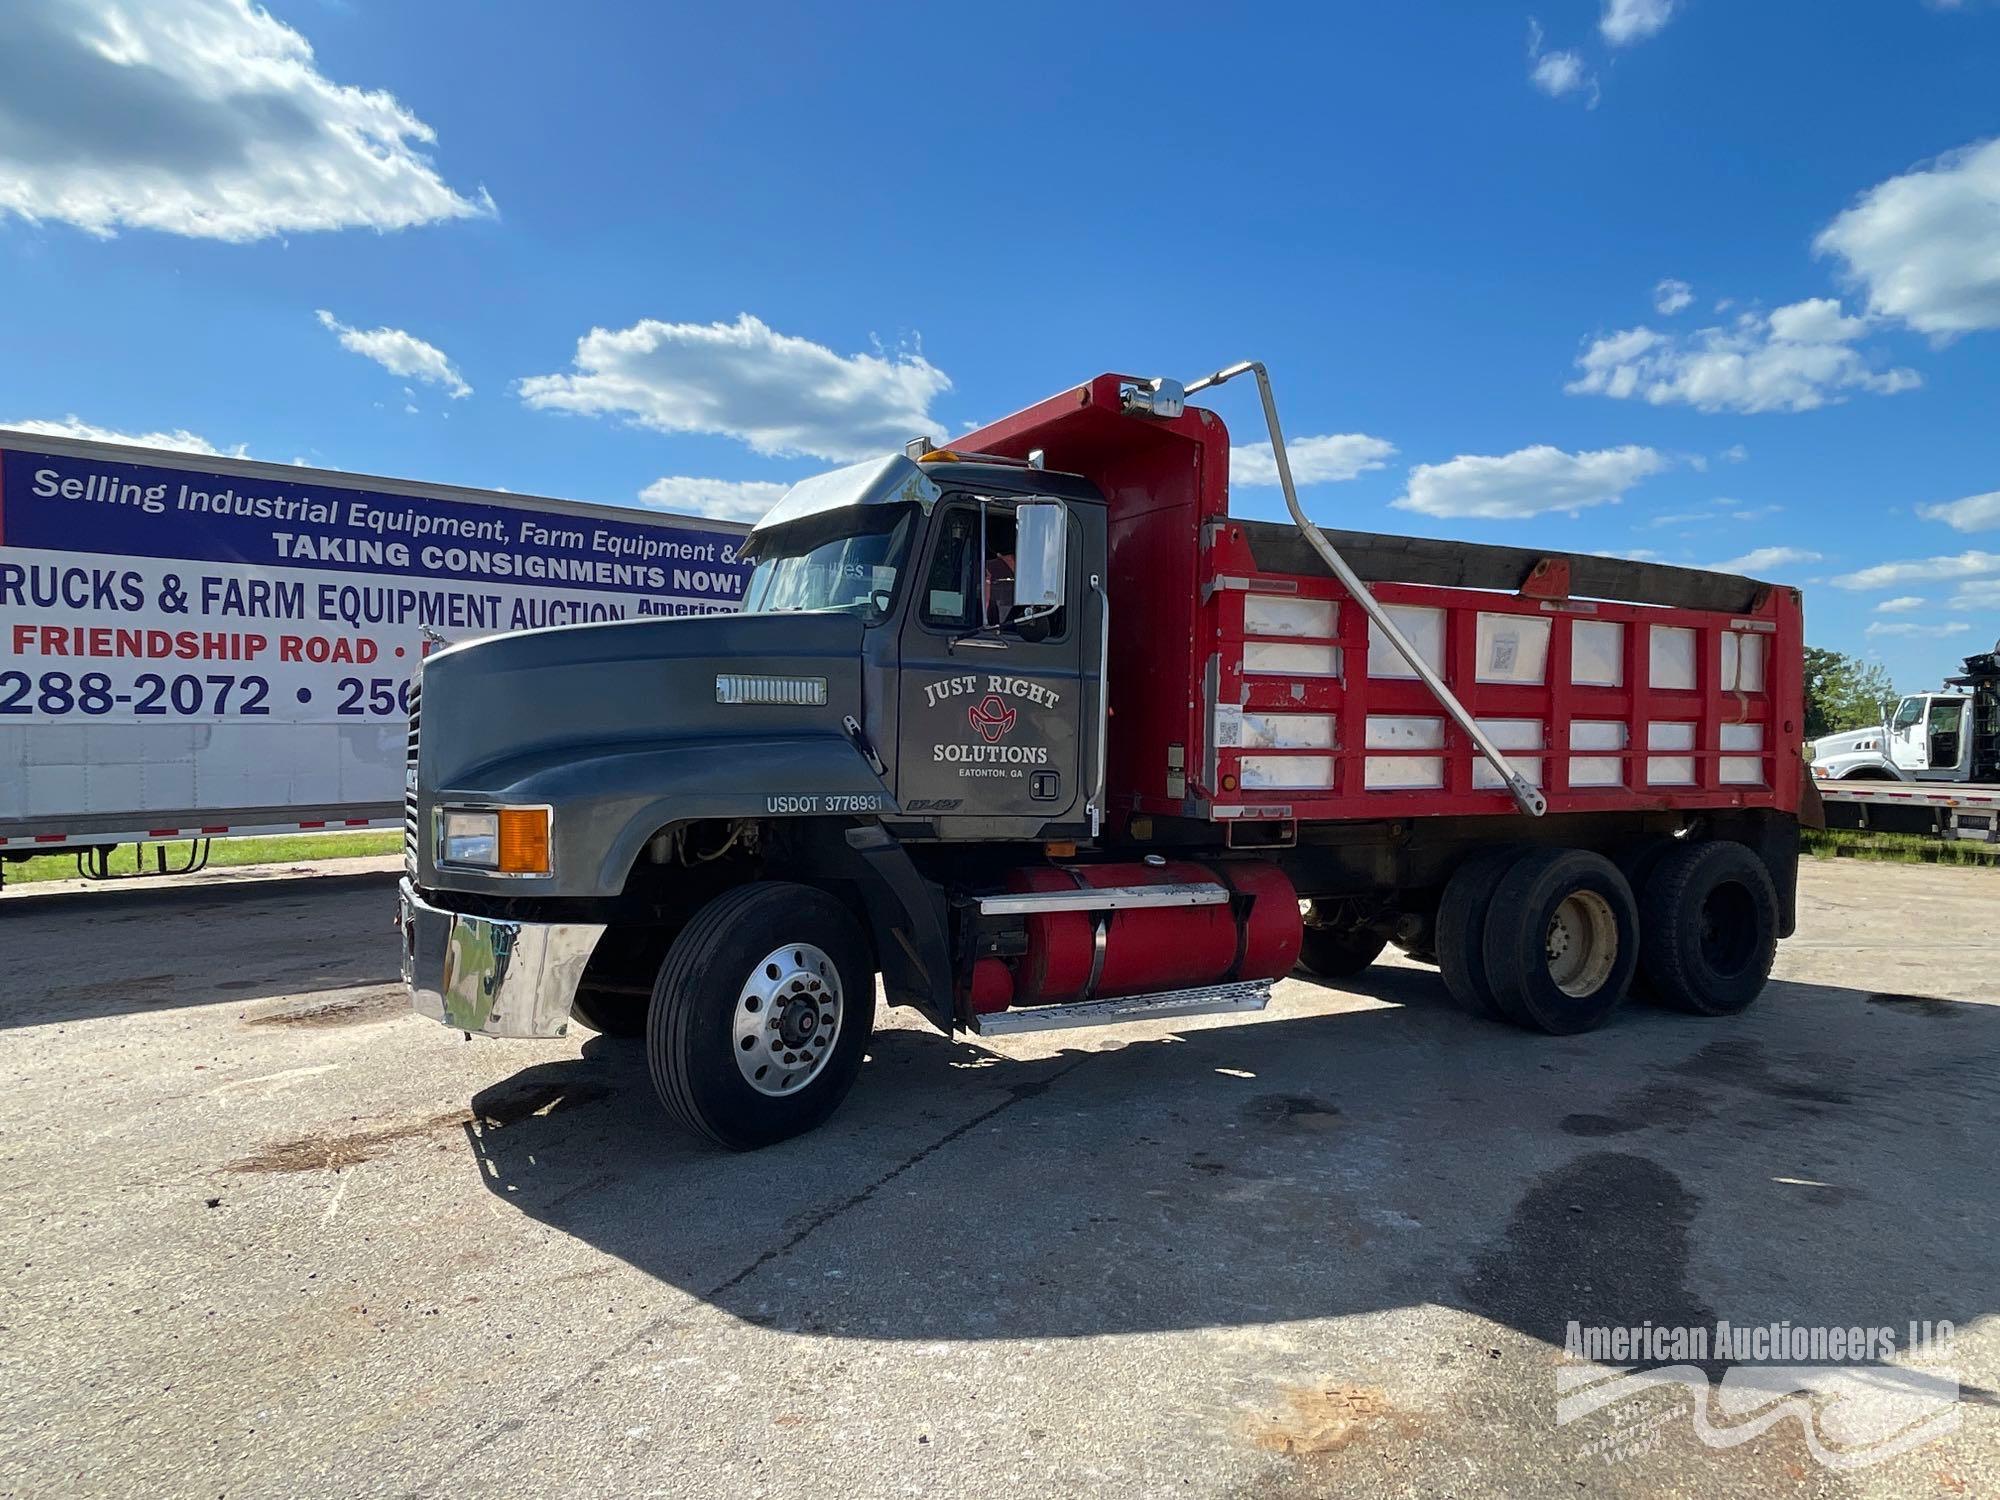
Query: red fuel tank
x=1148 y=948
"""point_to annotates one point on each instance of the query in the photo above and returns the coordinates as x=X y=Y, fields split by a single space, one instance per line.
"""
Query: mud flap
x=906 y=915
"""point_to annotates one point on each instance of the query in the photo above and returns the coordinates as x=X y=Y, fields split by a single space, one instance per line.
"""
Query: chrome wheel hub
x=787 y=1019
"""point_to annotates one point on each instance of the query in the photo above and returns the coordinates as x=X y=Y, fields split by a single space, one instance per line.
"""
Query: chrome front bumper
x=475 y=974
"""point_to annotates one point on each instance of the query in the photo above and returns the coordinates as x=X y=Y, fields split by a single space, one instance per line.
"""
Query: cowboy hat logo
x=991 y=717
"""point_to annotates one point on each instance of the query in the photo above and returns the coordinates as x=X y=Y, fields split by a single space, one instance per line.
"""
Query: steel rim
x=788 y=1018
x=1582 y=944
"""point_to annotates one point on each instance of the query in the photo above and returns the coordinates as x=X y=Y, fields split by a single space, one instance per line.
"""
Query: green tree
x=1844 y=692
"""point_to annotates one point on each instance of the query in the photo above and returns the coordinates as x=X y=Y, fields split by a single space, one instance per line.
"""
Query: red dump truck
x=1040 y=733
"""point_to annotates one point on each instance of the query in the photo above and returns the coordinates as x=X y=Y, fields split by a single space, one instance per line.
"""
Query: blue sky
x=1696 y=279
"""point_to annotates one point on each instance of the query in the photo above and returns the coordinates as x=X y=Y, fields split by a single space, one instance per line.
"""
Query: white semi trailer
x=196 y=647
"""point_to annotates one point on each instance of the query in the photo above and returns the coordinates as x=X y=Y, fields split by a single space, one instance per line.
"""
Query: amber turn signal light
x=524 y=841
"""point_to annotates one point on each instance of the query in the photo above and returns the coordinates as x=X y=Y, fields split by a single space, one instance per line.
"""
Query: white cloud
x=779 y=394
x=1817 y=320
x=1911 y=627
x=1902 y=604
x=1315 y=460
x=1557 y=73
x=180 y=440
x=1627 y=21
x=1765 y=559
x=1973 y=513
x=1527 y=482
x=1719 y=510
x=399 y=353
x=199 y=117
x=1796 y=359
x=1982 y=593
x=1671 y=295
x=1922 y=570
x=1926 y=245
x=723 y=499
x=1735 y=453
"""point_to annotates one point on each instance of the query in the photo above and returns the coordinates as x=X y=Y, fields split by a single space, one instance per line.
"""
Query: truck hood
x=493 y=710
x=1870 y=741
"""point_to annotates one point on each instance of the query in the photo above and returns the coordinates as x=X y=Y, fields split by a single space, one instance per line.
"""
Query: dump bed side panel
x=1607 y=705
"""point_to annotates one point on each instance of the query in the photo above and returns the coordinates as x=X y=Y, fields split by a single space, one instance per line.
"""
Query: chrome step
x=1205 y=1000
x=1102 y=898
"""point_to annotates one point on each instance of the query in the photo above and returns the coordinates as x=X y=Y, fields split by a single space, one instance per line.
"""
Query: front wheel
x=760 y=1014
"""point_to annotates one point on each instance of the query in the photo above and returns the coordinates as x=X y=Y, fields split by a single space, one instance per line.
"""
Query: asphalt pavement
x=268 y=1234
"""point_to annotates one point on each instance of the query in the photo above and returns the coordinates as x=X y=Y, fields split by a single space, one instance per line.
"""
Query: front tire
x=761 y=1014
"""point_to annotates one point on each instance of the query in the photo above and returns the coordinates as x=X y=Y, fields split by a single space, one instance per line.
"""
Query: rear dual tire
x=1550 y=939
x=1711 y=918
x=1561 y=941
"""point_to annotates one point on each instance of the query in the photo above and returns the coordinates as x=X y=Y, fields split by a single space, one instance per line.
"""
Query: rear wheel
x=1711 y=918
x=1461 y=930
x=1561 y=940
x=760 y=1015
x=1334 y=952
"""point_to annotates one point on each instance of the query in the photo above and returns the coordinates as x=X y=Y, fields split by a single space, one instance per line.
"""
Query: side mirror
x=1041 y=557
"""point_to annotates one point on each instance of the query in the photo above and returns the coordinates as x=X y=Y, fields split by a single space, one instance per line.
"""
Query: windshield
x=845 y=560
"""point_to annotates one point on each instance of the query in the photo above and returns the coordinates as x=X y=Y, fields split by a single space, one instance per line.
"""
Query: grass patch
x=290 y=848
x=1895 y=848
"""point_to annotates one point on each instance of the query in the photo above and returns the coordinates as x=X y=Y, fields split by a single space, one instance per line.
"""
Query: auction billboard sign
x=185 y=636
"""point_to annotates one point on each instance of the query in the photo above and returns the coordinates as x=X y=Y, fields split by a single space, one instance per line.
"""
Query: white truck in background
x=194 y=647
x=1932 y=767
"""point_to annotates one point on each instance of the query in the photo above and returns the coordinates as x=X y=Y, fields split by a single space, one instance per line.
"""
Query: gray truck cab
x=917 y=666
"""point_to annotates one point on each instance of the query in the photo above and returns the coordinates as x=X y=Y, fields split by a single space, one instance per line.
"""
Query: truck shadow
x=1821 y=1159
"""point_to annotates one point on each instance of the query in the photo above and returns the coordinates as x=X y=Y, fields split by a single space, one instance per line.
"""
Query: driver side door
x=990 y=706
x=1909 y=750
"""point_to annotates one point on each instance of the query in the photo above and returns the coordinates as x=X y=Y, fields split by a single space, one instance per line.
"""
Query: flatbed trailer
x=1952 y=811
x=1034 y=728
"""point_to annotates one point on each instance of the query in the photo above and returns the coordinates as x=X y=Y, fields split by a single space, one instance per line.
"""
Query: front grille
x=410 y=781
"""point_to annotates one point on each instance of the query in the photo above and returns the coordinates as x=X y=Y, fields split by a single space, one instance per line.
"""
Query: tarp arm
x=1527 y=796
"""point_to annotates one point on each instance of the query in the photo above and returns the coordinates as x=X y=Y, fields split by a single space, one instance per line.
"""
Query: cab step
x=1204 y=1000
x=1102 y=898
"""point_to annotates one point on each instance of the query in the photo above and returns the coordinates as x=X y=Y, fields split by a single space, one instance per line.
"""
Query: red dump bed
x=1247 y=684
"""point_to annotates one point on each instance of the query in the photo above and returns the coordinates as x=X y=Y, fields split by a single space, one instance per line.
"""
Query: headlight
x=506 y=840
